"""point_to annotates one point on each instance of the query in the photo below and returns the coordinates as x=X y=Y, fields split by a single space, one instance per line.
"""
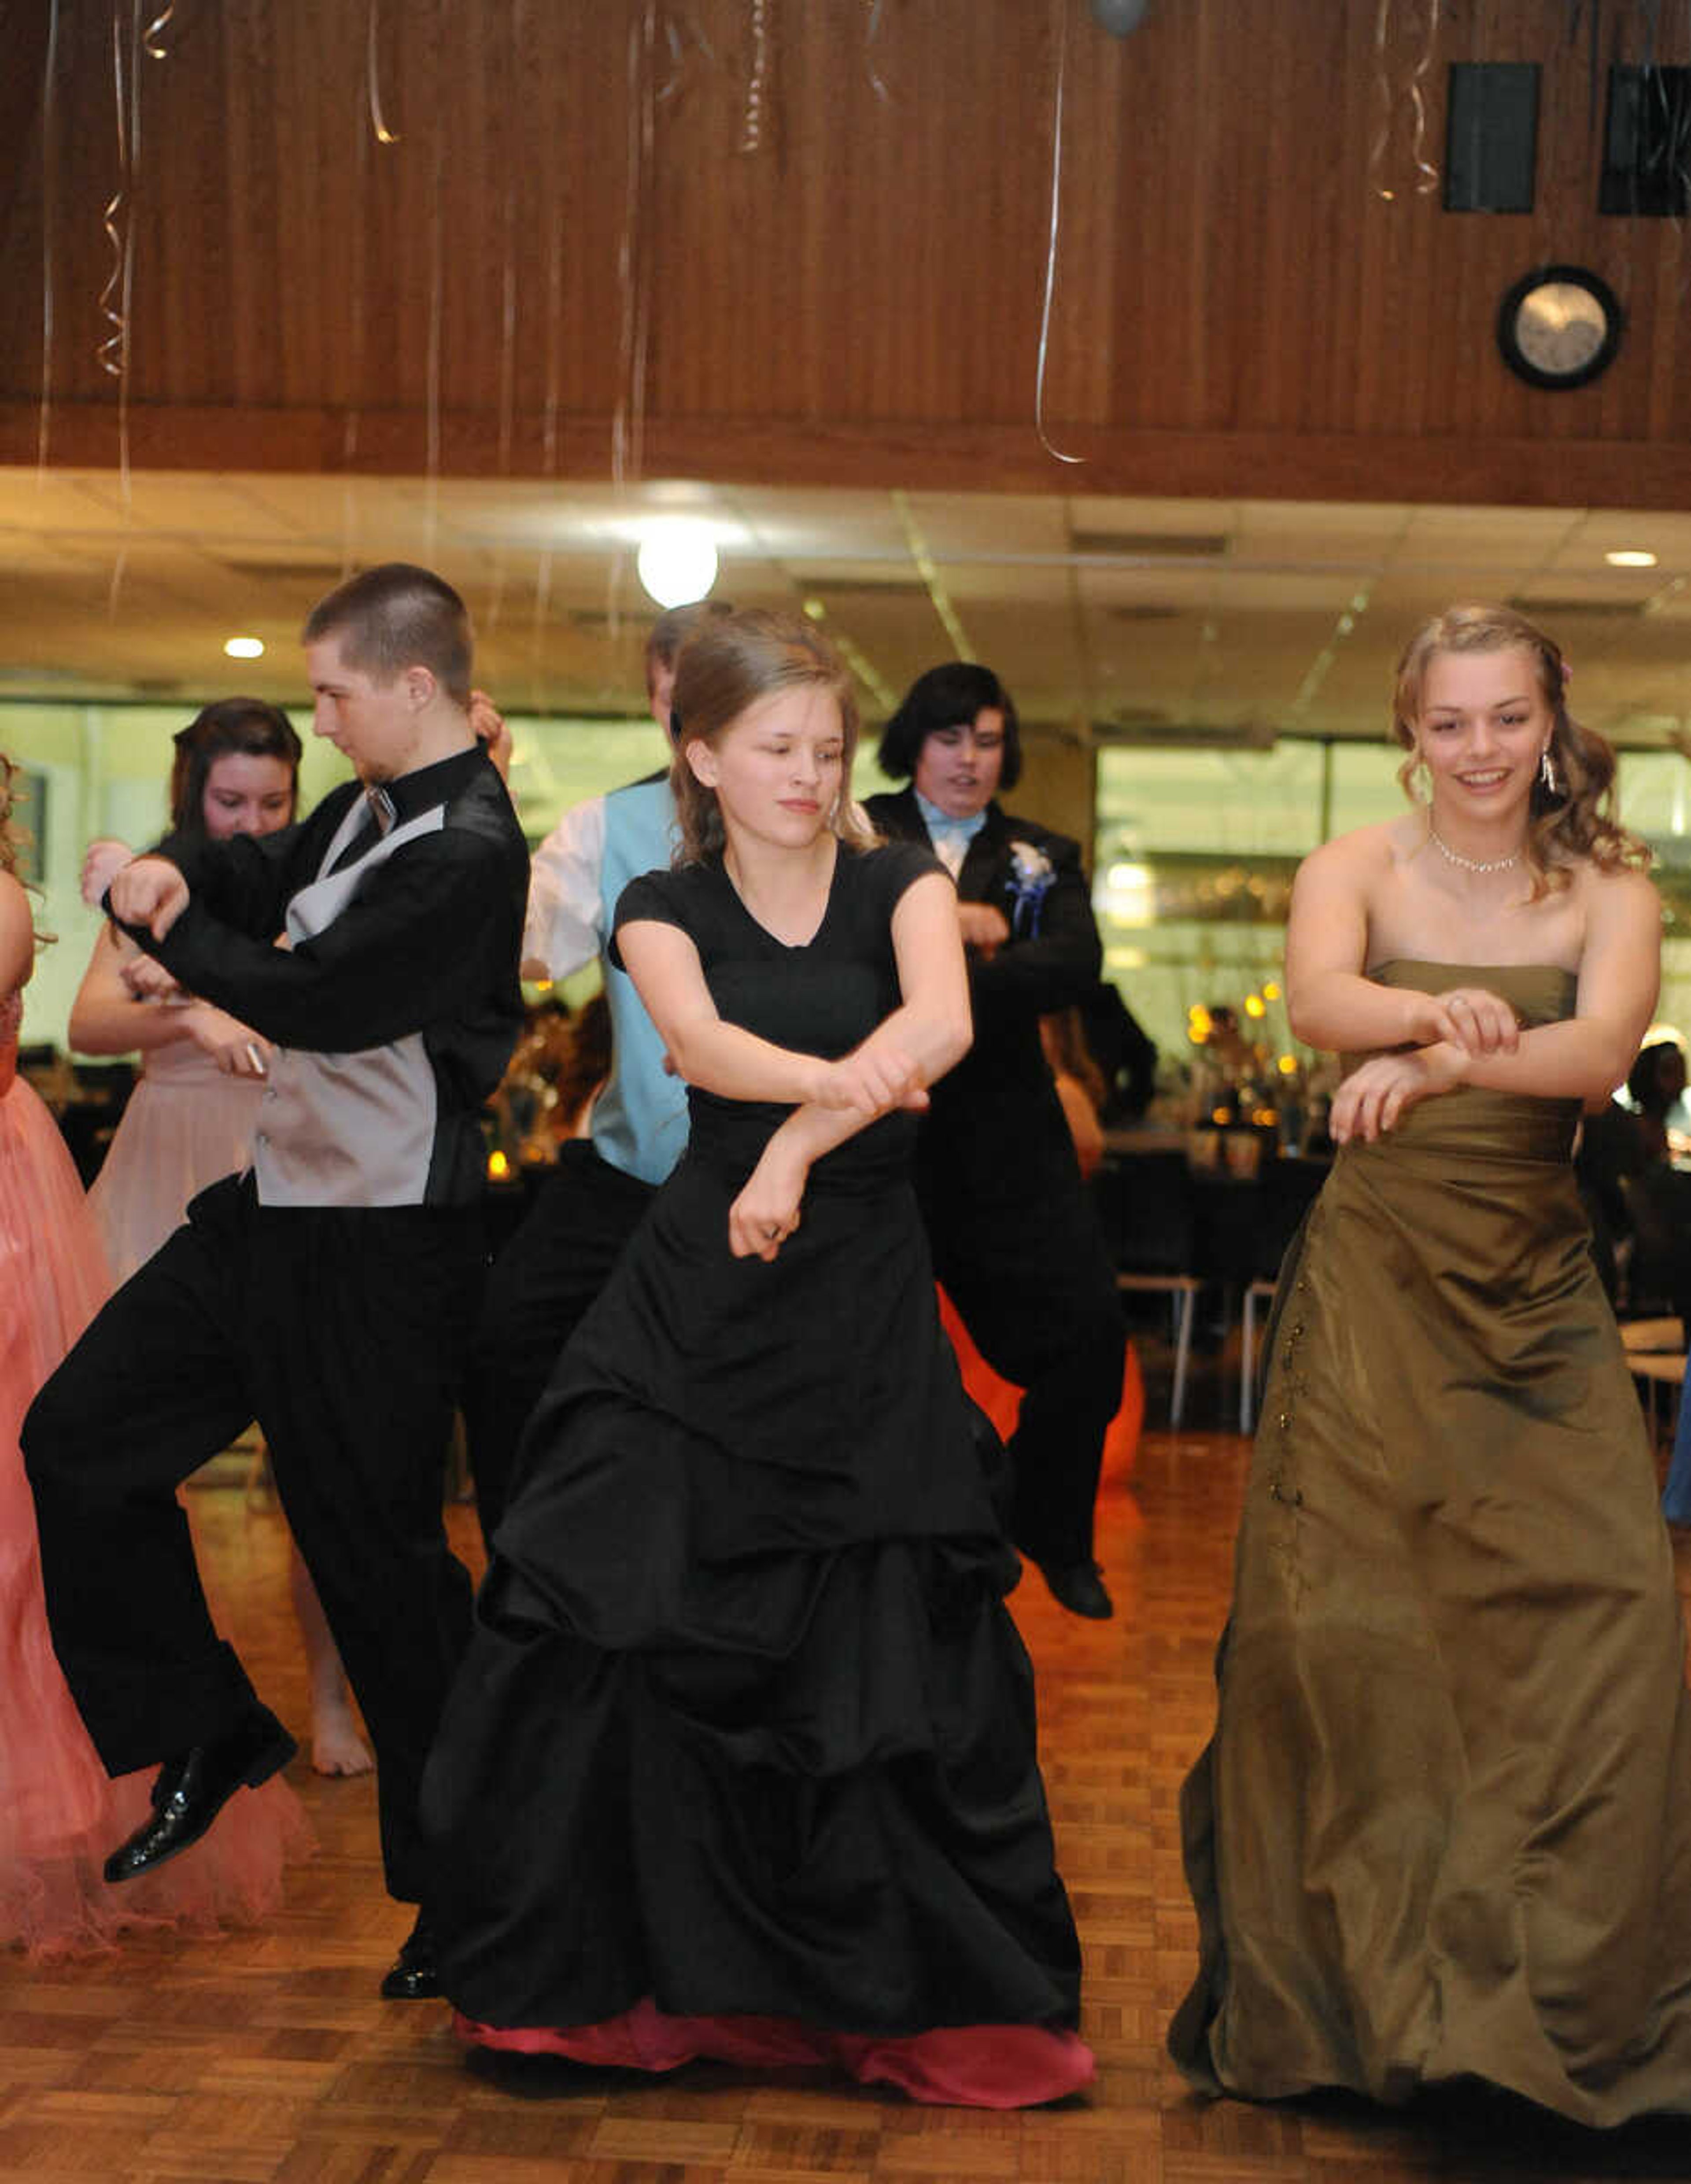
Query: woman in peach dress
x=58 y=1811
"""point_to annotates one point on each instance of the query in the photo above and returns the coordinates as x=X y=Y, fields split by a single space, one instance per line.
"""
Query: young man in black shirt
x=329 y=1292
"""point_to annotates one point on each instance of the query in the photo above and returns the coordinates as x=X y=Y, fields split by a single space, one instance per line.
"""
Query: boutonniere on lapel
x=1031 y=876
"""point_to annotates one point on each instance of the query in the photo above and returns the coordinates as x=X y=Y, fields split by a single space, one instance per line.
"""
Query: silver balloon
x=1119 y=17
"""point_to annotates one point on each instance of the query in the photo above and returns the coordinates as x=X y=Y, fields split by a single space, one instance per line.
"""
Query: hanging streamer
x=117 y=297
x=1051 y=246
x=437 y=313
x=875 y=84
x=633 y=257
x=1382 y=100
x=152 y=38
x=384 y=135
x=757 y=85
x=356 y=287
x=112 y=350
x=672 y=83
x=1426 y=174
x=48 y=225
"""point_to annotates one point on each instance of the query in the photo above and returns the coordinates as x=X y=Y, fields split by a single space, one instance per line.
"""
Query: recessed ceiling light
x=244 y=647
x=1630 y=557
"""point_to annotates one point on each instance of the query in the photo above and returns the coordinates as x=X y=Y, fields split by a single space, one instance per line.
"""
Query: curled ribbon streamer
x=47 y=225
x=112 y=352
x=1050 y=248
x=355 y=289
x=634 y=267
x=876 y=85
x=153 y=35
x=672 y=83
x=384 y=135
x=1382 y=97
x=543 y=587
x=1426 y=173
x=437 y=313
x=508 y=282
x=752 y=133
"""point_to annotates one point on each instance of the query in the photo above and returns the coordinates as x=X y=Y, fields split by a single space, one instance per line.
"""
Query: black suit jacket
x=995 y=1135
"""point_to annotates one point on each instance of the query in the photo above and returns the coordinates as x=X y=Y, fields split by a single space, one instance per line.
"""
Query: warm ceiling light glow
x=1630 y=557
x=244 y=647
x=676 y=563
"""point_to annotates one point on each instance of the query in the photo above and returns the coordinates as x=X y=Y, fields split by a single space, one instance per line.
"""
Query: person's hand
x=147 y=980
x=982 y=927
x=768 y=1210
x=236 y=1050
x=1469 y=1016
x=490 y=725
x=1374 y=1098
x=870 y=1081
x=149 y=892
x=101 y=861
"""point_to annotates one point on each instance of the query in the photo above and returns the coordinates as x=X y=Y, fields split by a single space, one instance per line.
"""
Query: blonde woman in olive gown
x=1443 y=1828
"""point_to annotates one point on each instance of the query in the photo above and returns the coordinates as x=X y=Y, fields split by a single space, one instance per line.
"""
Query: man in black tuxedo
x=1015 y=1239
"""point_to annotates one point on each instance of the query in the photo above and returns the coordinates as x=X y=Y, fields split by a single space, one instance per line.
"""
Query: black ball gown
x=741 y=1762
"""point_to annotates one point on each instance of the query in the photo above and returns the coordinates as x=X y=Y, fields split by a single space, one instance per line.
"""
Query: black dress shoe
x=190 y=1791
x=415 y=1972
x=1078 y=1587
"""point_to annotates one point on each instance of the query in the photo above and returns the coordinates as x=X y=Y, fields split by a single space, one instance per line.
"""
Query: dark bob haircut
x=948 y=697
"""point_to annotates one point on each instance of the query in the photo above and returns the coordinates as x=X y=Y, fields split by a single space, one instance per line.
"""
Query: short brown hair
x=396 y=616
x=725 y=669
x=672 y=630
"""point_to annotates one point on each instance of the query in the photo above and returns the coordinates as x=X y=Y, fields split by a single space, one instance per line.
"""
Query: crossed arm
x=1467 y=1035
x=919 y=1041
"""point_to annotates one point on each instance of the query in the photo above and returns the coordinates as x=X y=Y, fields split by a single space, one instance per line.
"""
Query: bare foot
x=336 y=1747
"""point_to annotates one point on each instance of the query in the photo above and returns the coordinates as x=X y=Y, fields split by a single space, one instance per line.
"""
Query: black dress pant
x=541 y=1285
x=1033 y=1283
x=343 y=1332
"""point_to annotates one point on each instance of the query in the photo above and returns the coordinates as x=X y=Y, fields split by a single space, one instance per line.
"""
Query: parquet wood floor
x=268 y=2057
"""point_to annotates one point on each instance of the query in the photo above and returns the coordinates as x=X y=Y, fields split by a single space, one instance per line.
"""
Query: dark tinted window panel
x=1646 y=145
x=1491 y=136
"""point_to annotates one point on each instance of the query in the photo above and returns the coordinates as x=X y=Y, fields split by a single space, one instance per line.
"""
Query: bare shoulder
x=1364 y=855
x=1616 y=897
x=17 y=936
x=14 y=906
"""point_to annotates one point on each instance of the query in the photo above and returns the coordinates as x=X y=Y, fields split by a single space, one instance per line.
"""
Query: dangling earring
x=1546 y=773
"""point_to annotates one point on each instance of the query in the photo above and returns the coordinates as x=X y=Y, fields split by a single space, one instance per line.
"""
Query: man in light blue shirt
x=558 y=1261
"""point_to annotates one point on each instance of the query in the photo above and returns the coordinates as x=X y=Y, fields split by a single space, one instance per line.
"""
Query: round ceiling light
x=678 y=563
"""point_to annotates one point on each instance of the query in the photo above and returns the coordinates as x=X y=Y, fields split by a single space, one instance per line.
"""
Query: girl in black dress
x=742 y=1761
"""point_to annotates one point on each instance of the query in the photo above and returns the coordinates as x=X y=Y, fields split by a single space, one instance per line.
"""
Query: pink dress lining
x=991 y=2066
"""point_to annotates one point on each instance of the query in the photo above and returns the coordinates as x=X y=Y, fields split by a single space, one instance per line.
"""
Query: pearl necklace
x=1470 y=864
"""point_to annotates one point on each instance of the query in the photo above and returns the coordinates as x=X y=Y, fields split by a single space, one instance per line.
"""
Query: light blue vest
x=639 y=1120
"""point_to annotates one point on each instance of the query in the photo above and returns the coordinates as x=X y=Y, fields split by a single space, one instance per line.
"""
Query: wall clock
x=1559 y=326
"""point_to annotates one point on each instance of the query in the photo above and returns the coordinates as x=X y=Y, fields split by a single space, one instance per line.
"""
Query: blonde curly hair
x=1577 y=819
x=15 y=839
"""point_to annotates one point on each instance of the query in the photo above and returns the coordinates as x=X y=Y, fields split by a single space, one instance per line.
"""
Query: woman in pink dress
x=190 y=1120
x=58 y=1811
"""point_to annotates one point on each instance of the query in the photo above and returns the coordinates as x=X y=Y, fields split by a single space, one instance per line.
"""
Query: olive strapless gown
x=1443 y=1827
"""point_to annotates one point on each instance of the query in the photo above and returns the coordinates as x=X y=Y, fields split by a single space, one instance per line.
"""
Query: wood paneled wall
x=570 y=249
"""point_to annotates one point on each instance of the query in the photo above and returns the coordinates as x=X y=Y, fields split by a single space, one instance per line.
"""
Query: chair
x=1655 y=1358
x=1290 y=1187
x=1146 y=1203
